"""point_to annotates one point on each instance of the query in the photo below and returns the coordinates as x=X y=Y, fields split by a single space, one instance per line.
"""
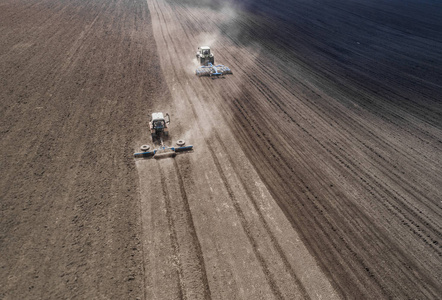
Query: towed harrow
x=211 y=70
x=163 y=151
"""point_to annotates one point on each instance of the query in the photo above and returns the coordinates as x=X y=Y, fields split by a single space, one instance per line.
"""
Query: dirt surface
x=76 y=81
x=317 y=165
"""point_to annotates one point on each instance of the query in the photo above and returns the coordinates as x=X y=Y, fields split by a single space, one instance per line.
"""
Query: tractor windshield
x=158 y=124
x=206 y=52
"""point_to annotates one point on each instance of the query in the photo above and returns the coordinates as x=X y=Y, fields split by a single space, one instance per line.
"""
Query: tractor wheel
x=145 y=148
x=180 y=143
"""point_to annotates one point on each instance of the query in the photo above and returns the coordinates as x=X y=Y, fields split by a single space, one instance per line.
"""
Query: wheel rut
x=176 y=259
x=196 y=243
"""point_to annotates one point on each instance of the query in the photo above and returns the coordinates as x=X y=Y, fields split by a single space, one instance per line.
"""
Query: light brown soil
x=317 y=165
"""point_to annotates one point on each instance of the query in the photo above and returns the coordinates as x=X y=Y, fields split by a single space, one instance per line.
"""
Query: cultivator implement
x=213 y=71
x=163 y=152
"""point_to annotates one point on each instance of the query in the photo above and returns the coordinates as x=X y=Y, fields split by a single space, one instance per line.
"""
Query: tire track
x=262 y=219
x=191 y=225
x=143 y=250
x=173 y=234
x=246 y=227
x=187 y=258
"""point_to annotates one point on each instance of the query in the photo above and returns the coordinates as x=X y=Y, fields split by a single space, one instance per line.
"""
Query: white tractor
x=159 y=126
x=207 y=64
x=204 y=57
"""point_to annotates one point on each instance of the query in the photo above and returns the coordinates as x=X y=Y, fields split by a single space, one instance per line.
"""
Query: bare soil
x=316 y=170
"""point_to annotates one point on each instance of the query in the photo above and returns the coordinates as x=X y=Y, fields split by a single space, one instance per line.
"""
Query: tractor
x=207 y=64
x=204 y=57
x=159 y=126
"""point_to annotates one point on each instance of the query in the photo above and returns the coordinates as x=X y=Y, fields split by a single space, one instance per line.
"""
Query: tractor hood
x=157 y=116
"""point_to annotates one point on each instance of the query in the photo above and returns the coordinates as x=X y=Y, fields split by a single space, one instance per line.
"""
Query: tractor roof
x=205 y=48
x=157 y=116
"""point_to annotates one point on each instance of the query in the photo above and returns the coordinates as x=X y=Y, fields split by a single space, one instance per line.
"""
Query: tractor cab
x=204 y=56
x=205 y=50
x=159 y=124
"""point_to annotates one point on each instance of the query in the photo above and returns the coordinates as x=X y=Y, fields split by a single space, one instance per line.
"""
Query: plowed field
x=316 y=170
